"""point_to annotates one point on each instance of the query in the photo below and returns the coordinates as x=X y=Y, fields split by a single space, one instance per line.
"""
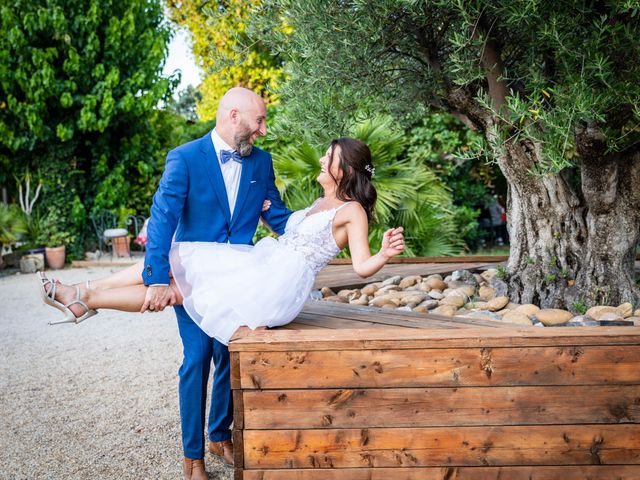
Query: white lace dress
x=226 y=286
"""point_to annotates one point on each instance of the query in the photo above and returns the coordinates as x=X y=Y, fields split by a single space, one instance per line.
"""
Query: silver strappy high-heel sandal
x=49 y=297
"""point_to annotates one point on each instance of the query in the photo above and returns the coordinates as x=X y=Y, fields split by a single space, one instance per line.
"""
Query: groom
x=212 y=190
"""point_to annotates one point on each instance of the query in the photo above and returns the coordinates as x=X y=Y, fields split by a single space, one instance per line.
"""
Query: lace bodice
x=312 y=236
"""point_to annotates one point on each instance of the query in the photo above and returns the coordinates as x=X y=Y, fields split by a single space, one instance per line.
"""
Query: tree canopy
x=222 y=49
x=79 y=82
x=554 y=87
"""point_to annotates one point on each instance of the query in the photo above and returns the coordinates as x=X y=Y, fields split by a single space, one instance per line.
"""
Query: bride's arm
x=364 y=263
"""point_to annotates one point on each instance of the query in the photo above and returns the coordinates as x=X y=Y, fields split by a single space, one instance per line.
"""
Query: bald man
x=212 y=190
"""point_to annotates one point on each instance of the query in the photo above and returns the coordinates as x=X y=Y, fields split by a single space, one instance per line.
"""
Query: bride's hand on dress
x=392 y=242
x=265 y=205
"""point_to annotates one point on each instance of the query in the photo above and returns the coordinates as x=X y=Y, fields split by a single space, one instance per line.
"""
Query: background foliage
x=223 y=50
x=79 y=84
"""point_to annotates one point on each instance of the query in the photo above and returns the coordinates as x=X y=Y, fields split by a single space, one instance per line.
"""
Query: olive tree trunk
x=573 y=240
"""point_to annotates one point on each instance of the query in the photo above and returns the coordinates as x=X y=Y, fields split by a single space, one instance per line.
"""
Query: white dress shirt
x=231 y=170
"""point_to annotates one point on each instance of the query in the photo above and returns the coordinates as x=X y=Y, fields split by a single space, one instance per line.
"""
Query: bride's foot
x=74 y=297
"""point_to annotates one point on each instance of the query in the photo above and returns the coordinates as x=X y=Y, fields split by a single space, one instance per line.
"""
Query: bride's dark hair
x=357 y=171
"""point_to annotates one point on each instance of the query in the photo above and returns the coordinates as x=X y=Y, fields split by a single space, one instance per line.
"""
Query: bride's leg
x=124 y=298
x=129 y=276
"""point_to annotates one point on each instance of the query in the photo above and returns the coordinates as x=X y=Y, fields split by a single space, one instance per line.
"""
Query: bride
x=224 y=286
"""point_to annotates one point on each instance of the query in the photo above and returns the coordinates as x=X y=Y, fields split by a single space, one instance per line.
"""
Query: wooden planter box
x=412 y=397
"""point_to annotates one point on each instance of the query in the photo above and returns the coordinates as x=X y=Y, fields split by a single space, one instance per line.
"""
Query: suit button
x=149 y=272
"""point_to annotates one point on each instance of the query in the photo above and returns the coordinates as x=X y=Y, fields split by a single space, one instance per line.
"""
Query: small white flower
x=371 y=170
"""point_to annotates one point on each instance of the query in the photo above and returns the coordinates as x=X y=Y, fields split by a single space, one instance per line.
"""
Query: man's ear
x=234 y=115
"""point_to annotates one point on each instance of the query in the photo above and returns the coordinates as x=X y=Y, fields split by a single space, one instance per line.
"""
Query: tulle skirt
x=226 y=286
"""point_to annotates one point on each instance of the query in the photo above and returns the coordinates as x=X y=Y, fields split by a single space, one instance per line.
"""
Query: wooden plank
x=589 y=365
x=437 y=446
x=424 y=407
x=582 y=472
x=396 y=338
x=441 y=259
x=238 y=450
x=394 y=317
x=234 y=371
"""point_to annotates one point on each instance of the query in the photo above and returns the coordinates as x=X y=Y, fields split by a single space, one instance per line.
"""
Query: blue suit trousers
x=198 y=350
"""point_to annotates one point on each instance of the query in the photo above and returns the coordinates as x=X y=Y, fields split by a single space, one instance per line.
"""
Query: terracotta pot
x=121 y=246
x=55 y=257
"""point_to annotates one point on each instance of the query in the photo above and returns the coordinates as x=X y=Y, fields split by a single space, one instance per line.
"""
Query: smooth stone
x=363 y=300
x=466 y=290
x=436 y=295
x=528 y=309
x=429 y=304
x=463 y=276
x=435 y=283
x=635 y=319
x=336 y=299
x=553 y=316
x=420 y=309
x=446 y=310
x=453 y=300
x=404 y=309
x=497 y=303
x=479 y=279
x=486 y=293
x=349 y=294
x=315 y=295
x=395 y=280
x=370 y=289
x=382 y=301
x=515 y=317
x=500 y=286
x=448 y=291
x=411 y=300
x=484 y=314
x=599 y=310
x=636 y=313
x=475 y=305
x=424 y=286
x=489 y=274
x=327 y=292
x=409 y=281
x=625 y=310
x=390 y=306
x=385 y=289
x=610 y=316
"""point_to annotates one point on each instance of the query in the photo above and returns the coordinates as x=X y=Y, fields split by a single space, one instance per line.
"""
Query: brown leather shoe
x=223 y=449
x=194 y=469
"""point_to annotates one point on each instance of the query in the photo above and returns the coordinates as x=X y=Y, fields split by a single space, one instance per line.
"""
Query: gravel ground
x=94 y=400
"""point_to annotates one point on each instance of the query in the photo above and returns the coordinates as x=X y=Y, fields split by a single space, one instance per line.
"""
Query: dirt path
x=95 y=400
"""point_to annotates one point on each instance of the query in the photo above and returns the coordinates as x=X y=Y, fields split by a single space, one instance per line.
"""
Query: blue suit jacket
x=191 y=201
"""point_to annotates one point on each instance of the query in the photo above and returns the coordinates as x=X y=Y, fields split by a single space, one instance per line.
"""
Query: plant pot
x=55 y=257
x=121 y=246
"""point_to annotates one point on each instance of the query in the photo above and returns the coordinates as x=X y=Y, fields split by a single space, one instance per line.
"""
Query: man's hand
x=157 y=298
x=266 y=205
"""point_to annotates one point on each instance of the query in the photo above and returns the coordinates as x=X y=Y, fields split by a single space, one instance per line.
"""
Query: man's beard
x=241 y=139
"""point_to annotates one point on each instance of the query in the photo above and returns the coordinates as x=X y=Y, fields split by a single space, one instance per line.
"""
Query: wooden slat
x=441 y=259
x=395 y=317
x=582 y=472
x=589 y=365
x=396 y=338
x=423 y=407
x=461 y=446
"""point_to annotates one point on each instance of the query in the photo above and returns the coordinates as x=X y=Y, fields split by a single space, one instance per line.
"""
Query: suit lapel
x=248 y=165
x=212 y=167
